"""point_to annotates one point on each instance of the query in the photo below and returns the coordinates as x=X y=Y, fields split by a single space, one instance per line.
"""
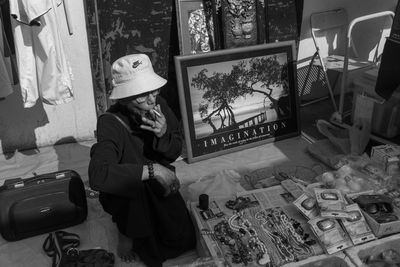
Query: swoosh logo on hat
x=136 y=64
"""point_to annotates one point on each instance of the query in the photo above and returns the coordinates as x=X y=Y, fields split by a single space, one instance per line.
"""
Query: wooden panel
x=282 y=20
x=118 y=28
x=96 y=60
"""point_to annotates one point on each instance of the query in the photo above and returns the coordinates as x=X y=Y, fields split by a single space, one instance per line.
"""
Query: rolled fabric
x=389 y=71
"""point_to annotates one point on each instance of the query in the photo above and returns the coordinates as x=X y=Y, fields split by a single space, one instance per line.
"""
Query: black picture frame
x=239 y=23
x=281 y=20
x=195 y=26
x=233 y=99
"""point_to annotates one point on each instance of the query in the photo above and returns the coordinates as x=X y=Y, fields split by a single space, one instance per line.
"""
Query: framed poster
x=237 y=98
x=195 y=26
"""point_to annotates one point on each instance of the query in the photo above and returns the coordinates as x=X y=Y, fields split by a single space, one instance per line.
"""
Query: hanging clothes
x=43 y=68
x=9 y=47
x=6 y=87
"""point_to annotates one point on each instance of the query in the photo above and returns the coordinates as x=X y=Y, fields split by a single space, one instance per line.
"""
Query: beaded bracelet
x=150 y=167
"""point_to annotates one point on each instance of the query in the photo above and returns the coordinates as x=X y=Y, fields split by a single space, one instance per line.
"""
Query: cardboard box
x=384 y=115
x=357 y=227
x=388 y=156
x=302 y=205
x=337 y=259
x=333 y=238
x=383 y=229
x=379 y=229
x=331 y=203
x=359 y=253
x=205 y=247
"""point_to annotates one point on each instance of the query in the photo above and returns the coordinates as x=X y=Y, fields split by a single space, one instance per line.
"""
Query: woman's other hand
x=166 y=178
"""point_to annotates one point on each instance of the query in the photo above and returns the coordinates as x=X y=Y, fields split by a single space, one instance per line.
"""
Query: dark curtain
x=388 y=76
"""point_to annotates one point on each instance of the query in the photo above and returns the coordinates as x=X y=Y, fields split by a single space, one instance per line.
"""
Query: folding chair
x=347 y=64
x=331 y=33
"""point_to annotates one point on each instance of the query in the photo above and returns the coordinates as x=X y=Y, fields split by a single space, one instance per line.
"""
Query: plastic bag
x=360 y=174
x=350 y=141
x=224 y=184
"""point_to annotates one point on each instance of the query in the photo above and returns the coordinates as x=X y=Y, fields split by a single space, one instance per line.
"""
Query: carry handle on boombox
x=37 y=179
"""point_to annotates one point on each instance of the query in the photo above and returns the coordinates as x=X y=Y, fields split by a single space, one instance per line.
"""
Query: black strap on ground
x=60 y=243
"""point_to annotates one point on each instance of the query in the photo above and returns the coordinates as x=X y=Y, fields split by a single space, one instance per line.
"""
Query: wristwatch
x=150 y=167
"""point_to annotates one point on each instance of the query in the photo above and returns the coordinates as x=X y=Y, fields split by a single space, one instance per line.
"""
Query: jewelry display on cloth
x=287 y=235
x=267 y=237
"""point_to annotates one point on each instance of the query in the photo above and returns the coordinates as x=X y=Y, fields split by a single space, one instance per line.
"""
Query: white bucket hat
x=134 y=75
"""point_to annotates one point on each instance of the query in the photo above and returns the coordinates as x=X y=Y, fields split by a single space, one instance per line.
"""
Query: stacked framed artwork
x=206 y=25
x=195 y=26
x=236 y=90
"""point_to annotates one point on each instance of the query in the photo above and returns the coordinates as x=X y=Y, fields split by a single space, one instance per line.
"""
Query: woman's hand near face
x=157 y=125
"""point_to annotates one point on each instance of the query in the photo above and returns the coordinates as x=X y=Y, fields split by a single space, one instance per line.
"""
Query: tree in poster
x=255 y=76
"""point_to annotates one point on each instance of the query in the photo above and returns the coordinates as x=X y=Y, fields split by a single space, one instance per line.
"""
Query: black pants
x=160 y=227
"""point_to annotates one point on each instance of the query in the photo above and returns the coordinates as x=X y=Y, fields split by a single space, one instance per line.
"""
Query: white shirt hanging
x=43 y=68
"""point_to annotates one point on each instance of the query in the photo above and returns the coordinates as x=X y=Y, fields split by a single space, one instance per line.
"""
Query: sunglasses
x=309 y=203
x=326 y=224
x=140 y=99
x=354 y=215
x=329 y=196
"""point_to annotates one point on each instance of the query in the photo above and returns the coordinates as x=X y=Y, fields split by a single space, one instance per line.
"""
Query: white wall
x=46 y=124
x=78 y=118
x=364 y=36
x=354 y=8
